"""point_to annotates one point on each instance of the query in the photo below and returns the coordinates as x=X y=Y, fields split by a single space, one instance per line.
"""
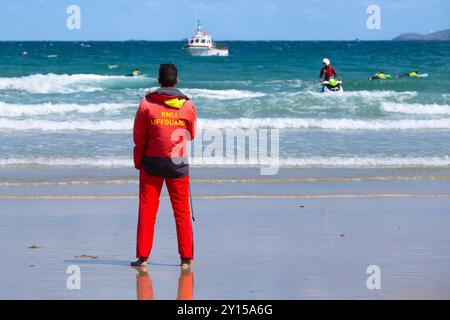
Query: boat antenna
x=199 y=24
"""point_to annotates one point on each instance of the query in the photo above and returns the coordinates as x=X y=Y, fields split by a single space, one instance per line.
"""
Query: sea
x=71 y=105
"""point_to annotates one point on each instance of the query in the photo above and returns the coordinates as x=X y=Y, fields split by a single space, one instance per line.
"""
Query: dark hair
x=168 y=75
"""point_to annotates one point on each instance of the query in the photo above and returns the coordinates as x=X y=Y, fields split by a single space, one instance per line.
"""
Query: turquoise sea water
x=69 y=103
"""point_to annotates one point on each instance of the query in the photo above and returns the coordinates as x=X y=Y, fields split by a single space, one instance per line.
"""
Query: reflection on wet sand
x=185 y=285
x=144 y=286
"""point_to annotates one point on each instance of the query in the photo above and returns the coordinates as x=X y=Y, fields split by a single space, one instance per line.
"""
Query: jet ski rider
x=327 y=74
x=327 y=71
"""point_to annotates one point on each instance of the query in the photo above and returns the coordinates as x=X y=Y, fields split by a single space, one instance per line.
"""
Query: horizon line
x=222 y=40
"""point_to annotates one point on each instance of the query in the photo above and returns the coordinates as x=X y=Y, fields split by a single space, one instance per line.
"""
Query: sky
x=224 y=19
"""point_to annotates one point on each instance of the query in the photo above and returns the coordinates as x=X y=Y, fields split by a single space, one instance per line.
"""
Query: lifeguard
x=165 y=120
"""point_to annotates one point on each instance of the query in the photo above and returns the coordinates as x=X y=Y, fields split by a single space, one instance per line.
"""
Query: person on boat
x=412 y=74
x=327 y=71
x=380 y=75
x=134 y=73
x=165 y=120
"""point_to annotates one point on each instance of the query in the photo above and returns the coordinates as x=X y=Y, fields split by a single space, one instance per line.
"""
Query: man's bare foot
x=186 y=264
x=141 y=262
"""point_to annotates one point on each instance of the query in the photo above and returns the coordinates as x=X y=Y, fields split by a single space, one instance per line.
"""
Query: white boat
x=201 y=44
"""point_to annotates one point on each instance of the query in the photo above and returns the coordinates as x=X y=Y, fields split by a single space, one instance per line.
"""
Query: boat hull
x=207 y=52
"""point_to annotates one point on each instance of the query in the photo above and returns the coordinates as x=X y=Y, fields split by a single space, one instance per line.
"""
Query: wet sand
x=303 y=234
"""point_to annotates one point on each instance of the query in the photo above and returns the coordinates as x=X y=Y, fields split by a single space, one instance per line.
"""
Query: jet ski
x=332 y=85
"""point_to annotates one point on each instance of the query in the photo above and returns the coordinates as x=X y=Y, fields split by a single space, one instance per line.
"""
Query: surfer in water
x=412 y=74
x=380 y=75
x=134 y=73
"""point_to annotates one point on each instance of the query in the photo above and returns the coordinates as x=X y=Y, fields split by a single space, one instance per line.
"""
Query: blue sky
x=225 y=19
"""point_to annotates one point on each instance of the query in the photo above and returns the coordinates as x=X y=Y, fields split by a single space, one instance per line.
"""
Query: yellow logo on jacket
x=168 y=118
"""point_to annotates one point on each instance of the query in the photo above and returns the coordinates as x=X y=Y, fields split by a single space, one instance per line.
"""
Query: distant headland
x=443 y=35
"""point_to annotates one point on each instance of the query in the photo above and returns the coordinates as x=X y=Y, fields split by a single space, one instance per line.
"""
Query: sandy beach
x=302 y=234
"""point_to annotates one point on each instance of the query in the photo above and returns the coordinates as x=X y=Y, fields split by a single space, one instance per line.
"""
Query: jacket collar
x=170 y=91
x=170 y=96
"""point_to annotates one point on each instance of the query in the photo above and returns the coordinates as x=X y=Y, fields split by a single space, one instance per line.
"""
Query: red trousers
x=149 y=194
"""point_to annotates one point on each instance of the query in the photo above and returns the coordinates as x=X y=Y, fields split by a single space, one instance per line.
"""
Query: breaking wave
x=15 y=110
x=65 y=83
x=229 y=94
x=241 y=123
x=351 y=161
x=415 y=108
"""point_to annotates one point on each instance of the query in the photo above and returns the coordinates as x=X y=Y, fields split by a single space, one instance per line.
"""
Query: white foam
x=241 y=123
x=371 y=161
x=83 y=125
x=294 y=83
x=329 y=124
x=229 y=94
x=350 y=161
x=14 y=110
x=67 y=162
x=415 y=108
x=367 y=95
x=58 y=83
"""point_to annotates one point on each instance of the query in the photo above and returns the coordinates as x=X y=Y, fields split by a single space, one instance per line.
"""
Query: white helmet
x=326 y=61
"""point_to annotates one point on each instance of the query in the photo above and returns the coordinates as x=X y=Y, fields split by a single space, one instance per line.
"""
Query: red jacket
x=328 y=71
x=159 y=144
